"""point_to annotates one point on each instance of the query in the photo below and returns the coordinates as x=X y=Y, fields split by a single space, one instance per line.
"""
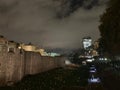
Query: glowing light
x=92 y=71
x=19 y=47
x=92 y=67
x=67 y=62
x=105 y=59
x=94 y=80
x=89 y=60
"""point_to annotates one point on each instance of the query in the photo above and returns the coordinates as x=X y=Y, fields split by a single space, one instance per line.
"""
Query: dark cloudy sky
x=50 y=23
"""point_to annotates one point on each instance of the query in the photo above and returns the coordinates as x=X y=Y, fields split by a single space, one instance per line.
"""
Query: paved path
x=94 y=85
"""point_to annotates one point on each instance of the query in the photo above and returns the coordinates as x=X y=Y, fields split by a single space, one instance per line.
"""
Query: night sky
x=51 y=23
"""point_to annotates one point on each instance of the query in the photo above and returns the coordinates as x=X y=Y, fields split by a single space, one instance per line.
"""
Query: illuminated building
x=33 y=48
x=53 y=54
x=94 y=53
x=42 y=52
x=87 y=42
x=96 y=44
x=27 y=47
x=11 y=46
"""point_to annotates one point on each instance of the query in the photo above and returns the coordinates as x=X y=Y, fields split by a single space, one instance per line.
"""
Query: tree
x=110 y=27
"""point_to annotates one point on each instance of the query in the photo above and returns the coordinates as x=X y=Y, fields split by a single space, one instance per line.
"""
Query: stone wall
x=36 y=63
x=11 y=66
x=15 y=65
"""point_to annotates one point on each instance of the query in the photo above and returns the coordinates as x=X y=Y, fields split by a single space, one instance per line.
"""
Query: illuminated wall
x=28 y=47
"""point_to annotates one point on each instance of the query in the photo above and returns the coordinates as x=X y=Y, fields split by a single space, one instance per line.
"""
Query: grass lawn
x=53 y=80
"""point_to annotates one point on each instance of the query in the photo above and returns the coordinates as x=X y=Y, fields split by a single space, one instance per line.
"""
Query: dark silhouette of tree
x=76 y=55
x=101 y=47
x=110 y=27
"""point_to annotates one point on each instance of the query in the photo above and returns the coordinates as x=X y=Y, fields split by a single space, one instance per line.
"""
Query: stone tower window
x=11 y=50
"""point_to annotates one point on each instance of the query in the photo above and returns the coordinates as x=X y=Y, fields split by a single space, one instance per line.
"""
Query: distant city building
x=87 y=42
x=53 y=54
x=94 y=53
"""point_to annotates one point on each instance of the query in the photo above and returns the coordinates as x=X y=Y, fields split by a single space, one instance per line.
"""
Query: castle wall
x=36 y=63
x=14 y=65
x=11 y=66
x=2 y=68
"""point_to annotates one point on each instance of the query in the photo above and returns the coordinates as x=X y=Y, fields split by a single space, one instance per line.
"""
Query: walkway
x=94 y=82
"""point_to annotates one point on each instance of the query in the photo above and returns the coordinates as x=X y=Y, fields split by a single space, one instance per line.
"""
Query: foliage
x=110 y=27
